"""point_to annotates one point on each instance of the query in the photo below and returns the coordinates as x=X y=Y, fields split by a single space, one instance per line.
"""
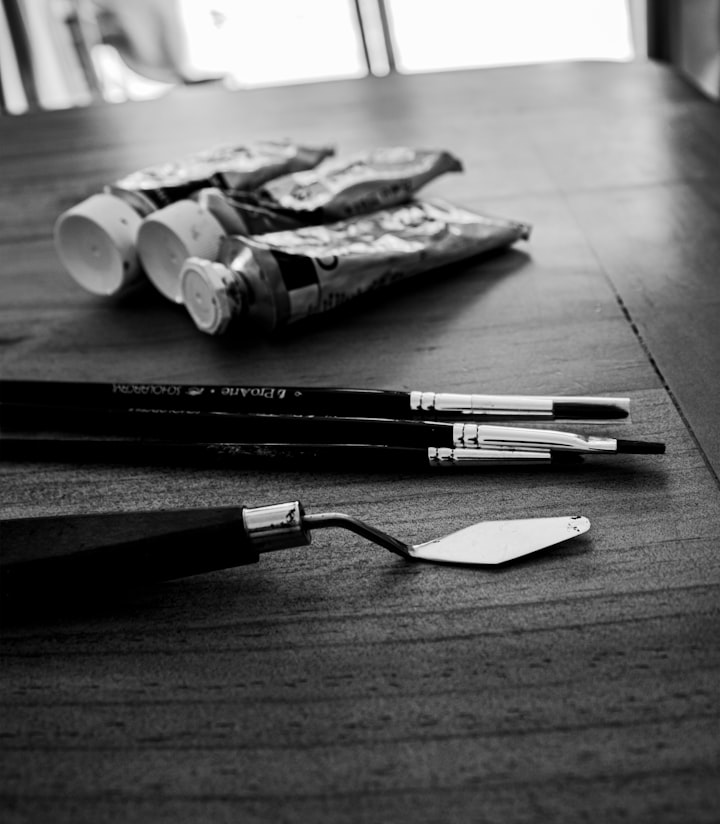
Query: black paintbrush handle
x=278 y=400
x=201 y=427
x=69 y=448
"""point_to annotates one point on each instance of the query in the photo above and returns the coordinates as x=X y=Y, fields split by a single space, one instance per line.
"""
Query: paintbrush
x=203 y=427
x=325 y=402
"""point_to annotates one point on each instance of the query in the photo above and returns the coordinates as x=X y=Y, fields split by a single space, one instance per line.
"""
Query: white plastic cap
x=96 y=242
x=210 y=294
x=171 y=235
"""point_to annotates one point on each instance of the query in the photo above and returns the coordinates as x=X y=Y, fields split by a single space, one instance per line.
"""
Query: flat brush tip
x=576 y=410
x=640 y=447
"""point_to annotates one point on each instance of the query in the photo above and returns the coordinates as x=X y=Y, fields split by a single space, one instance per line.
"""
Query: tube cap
x=171 y=235
x=211 y=294
x=96 y=242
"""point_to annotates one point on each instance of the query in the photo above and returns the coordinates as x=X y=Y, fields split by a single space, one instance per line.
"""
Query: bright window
x=448 y=34
x=274 y=41
x=289 y=41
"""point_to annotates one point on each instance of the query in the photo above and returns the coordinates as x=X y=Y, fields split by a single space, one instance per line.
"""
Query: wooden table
x=341 y=683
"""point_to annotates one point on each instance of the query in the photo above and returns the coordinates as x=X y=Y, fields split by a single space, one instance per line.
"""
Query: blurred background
x=62 y=53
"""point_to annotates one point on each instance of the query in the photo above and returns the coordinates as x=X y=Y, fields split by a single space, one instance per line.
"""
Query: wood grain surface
x=338 y=683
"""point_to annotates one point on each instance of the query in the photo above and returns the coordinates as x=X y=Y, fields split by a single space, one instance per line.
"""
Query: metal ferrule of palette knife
x=278 y=526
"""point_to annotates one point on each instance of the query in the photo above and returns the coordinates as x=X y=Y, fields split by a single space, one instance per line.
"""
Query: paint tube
x=336 y=189
x=280 y=278
x=344 y=187
x=96 y=239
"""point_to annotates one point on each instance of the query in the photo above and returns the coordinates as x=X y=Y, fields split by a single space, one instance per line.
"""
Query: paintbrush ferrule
x=469 y=457
x=443 y=405
x=476 y=436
